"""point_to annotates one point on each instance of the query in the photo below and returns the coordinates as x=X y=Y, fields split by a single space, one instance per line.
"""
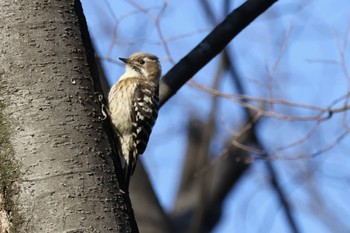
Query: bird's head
x=144 y=64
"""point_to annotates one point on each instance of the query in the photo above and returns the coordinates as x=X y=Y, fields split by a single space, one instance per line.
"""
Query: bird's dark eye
x=141 y=62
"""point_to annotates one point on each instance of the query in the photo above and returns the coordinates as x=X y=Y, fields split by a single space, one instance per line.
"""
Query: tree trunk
x=67 y=181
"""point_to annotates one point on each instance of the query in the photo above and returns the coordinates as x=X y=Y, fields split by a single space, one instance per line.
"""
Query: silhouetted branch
x=213 y=44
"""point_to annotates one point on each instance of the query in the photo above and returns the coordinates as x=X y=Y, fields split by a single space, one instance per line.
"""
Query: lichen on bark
x=10 y=218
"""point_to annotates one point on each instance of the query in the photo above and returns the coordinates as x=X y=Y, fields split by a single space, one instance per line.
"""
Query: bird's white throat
x=130 y=73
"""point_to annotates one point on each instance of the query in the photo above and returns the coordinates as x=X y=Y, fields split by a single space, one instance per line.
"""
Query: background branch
x=211 y=45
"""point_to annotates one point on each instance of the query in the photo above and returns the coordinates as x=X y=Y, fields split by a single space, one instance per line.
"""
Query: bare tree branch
x=213 y=44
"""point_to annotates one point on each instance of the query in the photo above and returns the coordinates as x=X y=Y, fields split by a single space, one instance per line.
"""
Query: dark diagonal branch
x=211 y=45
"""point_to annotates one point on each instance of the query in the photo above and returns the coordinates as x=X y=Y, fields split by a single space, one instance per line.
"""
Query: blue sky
x=308 y=71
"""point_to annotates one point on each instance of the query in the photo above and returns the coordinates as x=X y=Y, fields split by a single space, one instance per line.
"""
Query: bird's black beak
x=125 y=60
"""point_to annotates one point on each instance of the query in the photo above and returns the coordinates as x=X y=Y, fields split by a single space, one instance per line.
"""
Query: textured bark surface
x=67 y=183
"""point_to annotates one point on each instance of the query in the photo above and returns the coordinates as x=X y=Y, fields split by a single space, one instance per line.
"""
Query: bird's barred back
x=144 y=114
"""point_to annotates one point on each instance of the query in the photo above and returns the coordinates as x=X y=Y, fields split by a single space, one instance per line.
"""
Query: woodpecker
x=133 y=105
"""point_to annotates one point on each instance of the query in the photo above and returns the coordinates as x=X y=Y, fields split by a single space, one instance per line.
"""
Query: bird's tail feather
x=129 y=167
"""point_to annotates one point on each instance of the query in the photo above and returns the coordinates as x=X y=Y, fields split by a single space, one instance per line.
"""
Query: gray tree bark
x=67 y=181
